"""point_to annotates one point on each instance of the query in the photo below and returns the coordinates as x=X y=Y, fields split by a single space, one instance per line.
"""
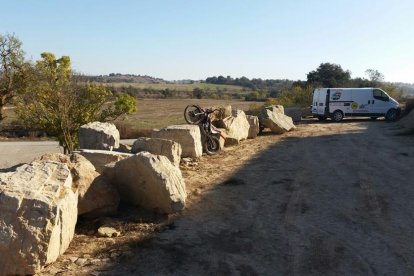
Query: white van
x=338 y=103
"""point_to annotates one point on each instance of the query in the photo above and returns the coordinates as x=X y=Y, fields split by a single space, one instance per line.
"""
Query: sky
x=183 y=39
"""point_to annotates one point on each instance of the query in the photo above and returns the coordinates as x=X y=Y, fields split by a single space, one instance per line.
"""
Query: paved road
x=13 y=153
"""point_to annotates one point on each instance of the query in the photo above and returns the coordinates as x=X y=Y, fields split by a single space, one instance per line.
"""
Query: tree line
x=49 y=96
x=253 y=84
x=299 y=93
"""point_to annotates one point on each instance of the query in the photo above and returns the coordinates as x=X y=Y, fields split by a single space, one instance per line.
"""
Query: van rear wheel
x=337 y=116
x=321 y=118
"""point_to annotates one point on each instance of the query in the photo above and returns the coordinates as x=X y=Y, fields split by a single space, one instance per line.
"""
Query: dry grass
x=158 y=113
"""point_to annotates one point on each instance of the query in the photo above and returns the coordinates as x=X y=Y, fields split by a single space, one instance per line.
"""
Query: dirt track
x=324 y=199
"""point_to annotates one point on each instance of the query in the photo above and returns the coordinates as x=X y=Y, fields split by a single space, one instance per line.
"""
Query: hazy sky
x=179 y=39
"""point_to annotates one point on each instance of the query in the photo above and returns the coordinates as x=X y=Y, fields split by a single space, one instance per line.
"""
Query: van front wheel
x=337 y=116
x=391 y=115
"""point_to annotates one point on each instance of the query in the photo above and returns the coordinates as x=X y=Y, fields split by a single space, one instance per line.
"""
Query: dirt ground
x=325 y=199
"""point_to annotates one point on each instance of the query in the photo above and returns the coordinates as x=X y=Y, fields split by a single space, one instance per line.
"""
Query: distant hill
x=124 y=78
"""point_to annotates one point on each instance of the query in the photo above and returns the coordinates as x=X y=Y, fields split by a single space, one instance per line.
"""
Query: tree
x=54 y=101
x=296 y=96
x=11 y=61
x=329 y=75
x=374 y=75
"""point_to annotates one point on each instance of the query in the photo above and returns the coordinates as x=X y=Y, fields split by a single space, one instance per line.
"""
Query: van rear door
x=321 y=101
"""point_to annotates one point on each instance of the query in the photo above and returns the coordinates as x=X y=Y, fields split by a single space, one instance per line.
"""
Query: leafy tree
x=11 y=61
x=54 y=101
x=329 y=75
x=374 y=75
x=360 y=82
x=296 y=96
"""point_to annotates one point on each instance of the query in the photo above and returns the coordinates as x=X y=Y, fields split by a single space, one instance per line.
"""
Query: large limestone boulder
x=188 y=136
x=237 y=127
x=254 y=128
x=100 y=136
x=170 y=149
x=221 y=112
x=150 y=181
x=38 y=212
x=294 y=112
x=100 y=199
x=273 y=118
x=99 y=158
x=276 y=108
x=97 y=197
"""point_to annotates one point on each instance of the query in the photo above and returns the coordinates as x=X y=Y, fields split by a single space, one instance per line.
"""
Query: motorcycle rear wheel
x=193 y=114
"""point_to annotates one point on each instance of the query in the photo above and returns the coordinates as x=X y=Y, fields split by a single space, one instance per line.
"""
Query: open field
x=157 y=113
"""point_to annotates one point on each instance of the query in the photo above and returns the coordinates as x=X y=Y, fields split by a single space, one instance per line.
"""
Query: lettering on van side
x=340 y=103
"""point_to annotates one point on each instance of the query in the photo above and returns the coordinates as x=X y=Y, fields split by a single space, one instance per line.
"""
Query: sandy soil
x=325 y=199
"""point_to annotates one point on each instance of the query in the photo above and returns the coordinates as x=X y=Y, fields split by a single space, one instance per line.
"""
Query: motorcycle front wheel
x=211 y=145
x=193 y=114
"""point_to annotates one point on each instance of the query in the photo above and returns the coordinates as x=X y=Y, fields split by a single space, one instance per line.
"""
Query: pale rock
x=276 y=108
x=100 y=199
x=254 y=126
x=100 y=158
x=236 y=126
x=109 y=232
x=170 y=149
x=73 y=259
x=97 y=197
x=272 y=117
x=221 y=112
x=38 y=213
x=152 y=182
x=100 y=136
x=188 y=136
x=81 y=261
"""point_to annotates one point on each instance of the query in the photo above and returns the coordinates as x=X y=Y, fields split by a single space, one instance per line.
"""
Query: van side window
x=380 y=95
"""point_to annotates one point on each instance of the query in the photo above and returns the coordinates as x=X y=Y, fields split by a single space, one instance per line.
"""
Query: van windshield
x=380 y=95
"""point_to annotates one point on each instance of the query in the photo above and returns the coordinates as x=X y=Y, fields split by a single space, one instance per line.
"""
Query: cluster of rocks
x=40 y=201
